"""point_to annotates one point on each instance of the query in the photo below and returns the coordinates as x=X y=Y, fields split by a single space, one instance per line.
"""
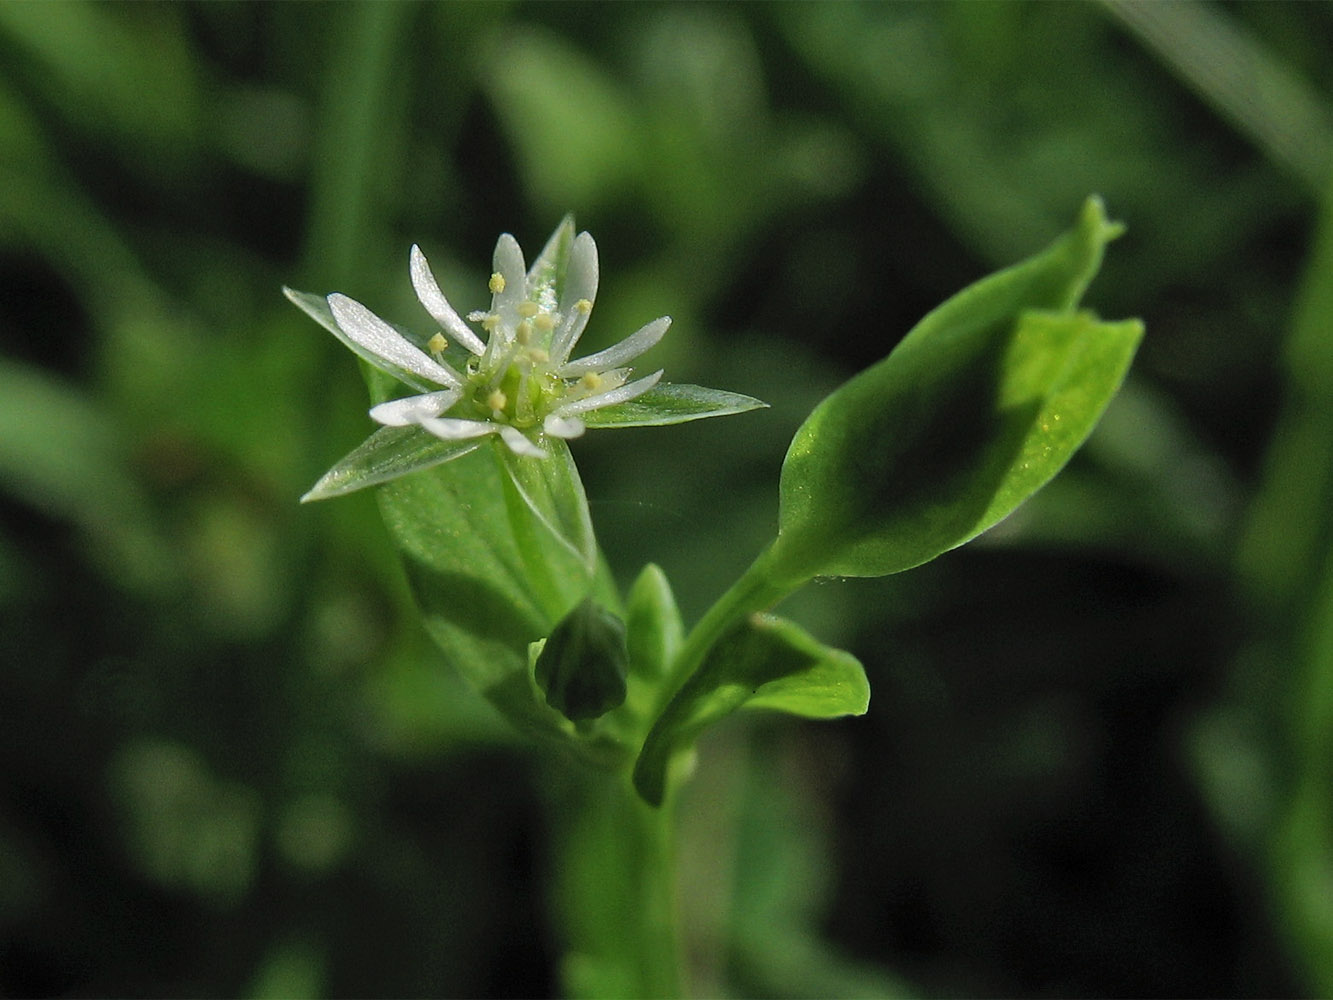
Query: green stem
x=616 y=892
x=758 y=589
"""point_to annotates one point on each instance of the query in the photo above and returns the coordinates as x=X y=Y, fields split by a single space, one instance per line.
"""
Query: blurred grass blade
x=1231 y=70
x=60 y=453
x=1286 y=565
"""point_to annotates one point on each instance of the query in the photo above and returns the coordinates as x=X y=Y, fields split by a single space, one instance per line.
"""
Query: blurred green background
x=1099 y=755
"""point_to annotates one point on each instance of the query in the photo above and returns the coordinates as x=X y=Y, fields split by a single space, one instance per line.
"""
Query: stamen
x=497 y=401
x=523 y=332
x=591 y=381
x=436 y=345
x=544 y=322
x=528 y=309
x=490 y=322
x=583 y=306
x=497 y=283
x=538 y=356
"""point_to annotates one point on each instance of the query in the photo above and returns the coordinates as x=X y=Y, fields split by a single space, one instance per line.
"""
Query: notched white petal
x=454 y=429
x=563 y=427
x=413 y=409
x=518 y=442
x=379 y=338
x=619 y=354
x=620 y=395
x=428 y=291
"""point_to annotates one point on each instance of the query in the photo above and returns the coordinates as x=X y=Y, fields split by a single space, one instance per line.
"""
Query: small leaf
x=655 y=631
x=980 y=405
x=765 y=662
x=672 y=404
x=388 y=453
x=582 y=665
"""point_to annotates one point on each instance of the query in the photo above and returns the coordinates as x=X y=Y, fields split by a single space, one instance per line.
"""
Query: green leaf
x=466 y=543
x=387 y=454
x=980 y=405
x=765 y=662
x=672 y=404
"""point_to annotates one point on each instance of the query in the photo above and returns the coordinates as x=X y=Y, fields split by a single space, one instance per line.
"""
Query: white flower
x=514 y=378
x=519 y=383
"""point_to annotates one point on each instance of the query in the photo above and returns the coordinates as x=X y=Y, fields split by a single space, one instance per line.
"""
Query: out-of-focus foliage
x=1098 y=757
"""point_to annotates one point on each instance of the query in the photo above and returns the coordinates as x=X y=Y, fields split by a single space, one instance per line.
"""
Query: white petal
x=628 y=349
x=620 y=395
x=413 y=409
x=508 y=263
x=428 y=291
x=580 y=283
x=453 y=429
x=379 y=338
x=518 y=443
x=563 y=427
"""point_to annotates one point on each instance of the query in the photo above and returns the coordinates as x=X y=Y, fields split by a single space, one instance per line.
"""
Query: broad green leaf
x=672 y=404
x=463 y=537
x=981 y=404
x=765 y=662
x=387 y=454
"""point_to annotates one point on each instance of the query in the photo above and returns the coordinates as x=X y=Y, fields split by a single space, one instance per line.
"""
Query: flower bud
x=581 y=668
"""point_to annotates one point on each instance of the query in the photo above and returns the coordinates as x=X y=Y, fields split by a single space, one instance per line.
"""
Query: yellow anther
x=583 y=306
x=528 y=309
x=490 y=322
x=591 y=381
x=523 y=332
x=437 y=344
x=497 y=400
x=497 y=283
x=538 y=356
x=544 y=322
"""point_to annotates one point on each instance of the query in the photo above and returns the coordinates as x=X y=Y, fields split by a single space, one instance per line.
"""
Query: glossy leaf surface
x=981 y=404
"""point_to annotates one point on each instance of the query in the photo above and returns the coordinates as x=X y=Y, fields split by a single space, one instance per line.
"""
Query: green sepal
x=546 y=274
x=581 y=667
x=672 y=404
x=548 y=513
x=388 y=453
x=764 y=662
x=980 y=405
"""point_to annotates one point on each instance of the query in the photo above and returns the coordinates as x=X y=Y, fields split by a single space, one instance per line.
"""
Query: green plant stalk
x=759 y=588
x=616 y=899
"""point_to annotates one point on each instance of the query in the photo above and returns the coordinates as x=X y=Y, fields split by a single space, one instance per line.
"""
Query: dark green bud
x=581 y=669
